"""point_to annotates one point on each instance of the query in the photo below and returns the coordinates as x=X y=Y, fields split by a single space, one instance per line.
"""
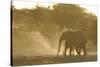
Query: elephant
x=73 y=39
x=67 y=37
x=79 y=42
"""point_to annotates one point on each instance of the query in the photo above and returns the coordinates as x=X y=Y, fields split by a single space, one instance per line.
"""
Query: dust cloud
x=32 y=44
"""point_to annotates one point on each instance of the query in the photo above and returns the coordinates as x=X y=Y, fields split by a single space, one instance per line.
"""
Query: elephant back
x=67 y=35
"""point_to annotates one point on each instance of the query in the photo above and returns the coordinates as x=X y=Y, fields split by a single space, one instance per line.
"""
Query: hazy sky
x=19 y=4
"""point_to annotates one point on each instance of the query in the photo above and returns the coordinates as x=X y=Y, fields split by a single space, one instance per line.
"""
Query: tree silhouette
x=51 y=22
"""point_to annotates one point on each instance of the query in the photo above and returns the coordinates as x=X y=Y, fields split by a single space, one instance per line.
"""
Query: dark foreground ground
x=37 y=60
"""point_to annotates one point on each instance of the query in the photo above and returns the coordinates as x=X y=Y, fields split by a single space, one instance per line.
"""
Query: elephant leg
x=84 y=49
x=66 y=47
x=77 y=50
x=70 y=53
x=80 y=51
x=64 y=53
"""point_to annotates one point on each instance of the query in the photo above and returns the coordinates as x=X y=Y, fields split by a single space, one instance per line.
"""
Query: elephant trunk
x=59 y=47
